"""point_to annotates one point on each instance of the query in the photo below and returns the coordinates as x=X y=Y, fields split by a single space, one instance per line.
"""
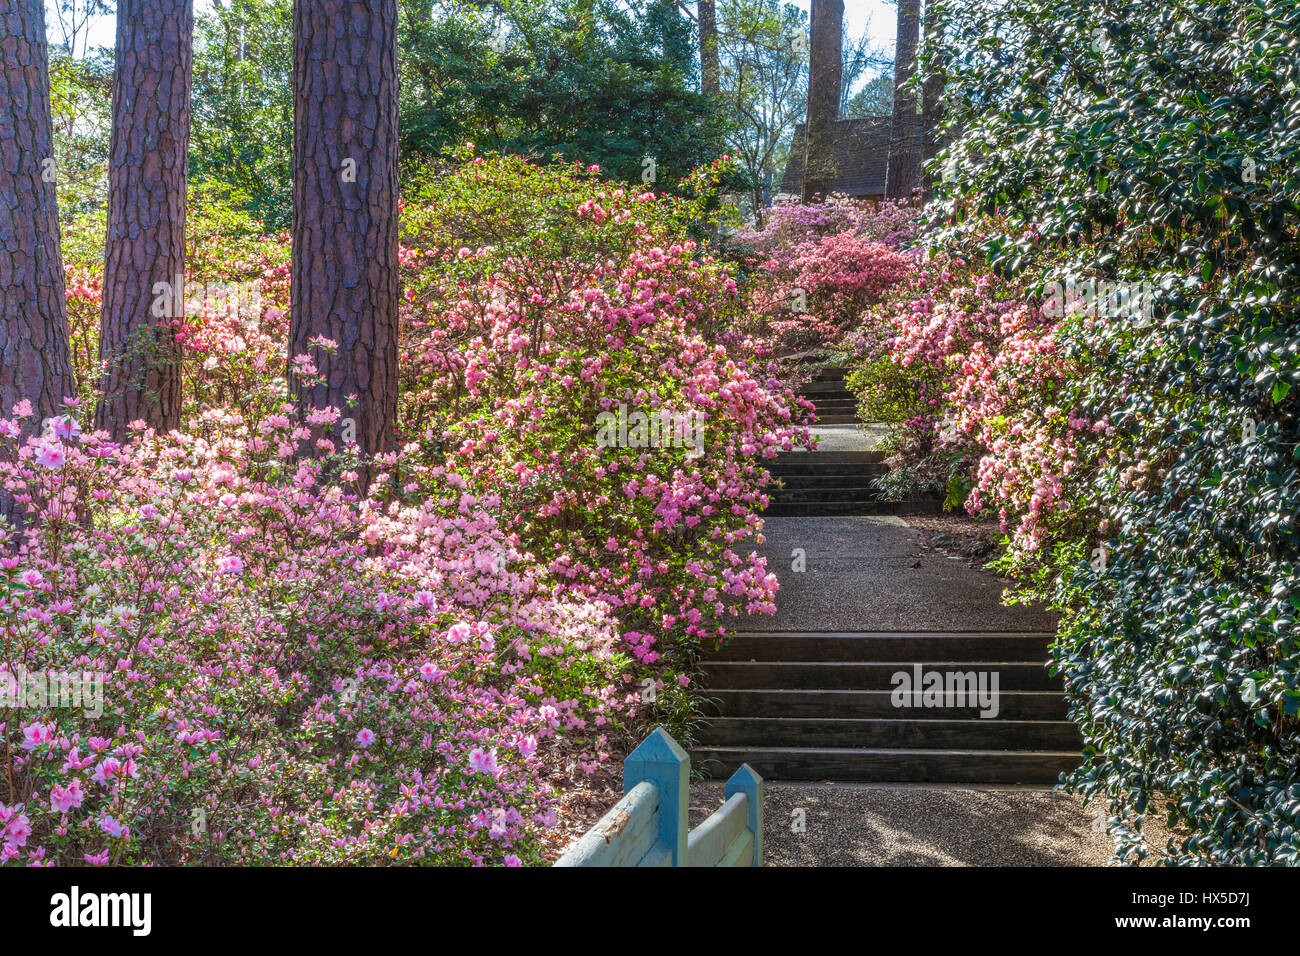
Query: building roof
x=861 y=157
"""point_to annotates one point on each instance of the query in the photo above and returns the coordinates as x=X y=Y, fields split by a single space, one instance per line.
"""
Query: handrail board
x=621 y=837
x=708 y=843
x=648 y=826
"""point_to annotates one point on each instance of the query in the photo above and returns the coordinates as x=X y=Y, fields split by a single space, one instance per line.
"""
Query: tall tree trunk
x=35 y=363
x=931 y=99
x=709 y=69
x=903 y=171
x=144 y=258
x=825 y=74
x=345 y=268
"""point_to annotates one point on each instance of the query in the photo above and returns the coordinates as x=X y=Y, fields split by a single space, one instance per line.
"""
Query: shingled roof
x=861 y=155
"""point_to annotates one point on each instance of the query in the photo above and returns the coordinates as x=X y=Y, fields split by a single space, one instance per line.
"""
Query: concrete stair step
x=866 y=475
x=856 y=675
x=833 y=473
x=786 y=702
x=888 y=765
x=823 y=399
x=830 y=374
x=917 y=646
x=796 y=492
x=881 y=733
x=814 y=509
x=822 y=459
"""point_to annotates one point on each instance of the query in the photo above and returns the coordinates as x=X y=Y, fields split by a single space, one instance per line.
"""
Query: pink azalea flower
x=50 y=455
x=484 y=761
x=63 y=799
x=36 y=734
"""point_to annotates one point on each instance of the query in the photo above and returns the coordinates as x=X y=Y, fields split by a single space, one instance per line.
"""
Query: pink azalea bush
x=291 y=672
x=790 y=224
x=973 y=370
x=298 y=669
x=531 y=319
x=828 y=261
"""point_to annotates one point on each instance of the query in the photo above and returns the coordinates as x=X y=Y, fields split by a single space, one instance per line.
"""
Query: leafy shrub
x=289 y=675
x=1141 y=144
x=300 y=670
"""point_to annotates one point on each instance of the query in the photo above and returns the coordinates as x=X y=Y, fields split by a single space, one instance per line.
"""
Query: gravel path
x=845 y=825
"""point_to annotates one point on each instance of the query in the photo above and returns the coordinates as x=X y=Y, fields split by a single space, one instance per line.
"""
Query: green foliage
x=885 y=392
x=959 y=484
x=1134 y=142
x=603 y=83
x=905 y=483
x=242 y=105
x=79 y=109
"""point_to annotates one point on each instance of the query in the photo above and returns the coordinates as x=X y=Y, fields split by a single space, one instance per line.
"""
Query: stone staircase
x=821 y=706
x=835 y=403
x=829 y=482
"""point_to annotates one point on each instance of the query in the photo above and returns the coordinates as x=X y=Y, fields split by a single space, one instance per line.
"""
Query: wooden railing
x=648 y=827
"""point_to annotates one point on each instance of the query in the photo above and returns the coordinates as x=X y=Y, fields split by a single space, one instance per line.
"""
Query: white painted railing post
x=746 y=781
x=661 y=761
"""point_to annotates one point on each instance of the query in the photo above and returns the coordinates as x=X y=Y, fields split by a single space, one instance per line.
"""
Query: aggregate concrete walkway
x=878 y=574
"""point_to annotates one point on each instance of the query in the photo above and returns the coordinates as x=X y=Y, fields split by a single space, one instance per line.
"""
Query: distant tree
x=709 y=69
x=144 y=261
x=80 y=106
x=243 y=104
x=590 y=81
x=344 y=284
x=76 y=19
x=875 y=98
x=34 y=360
x=904 y=169
x=825 y=76
x=931 y=93
x=764 y=83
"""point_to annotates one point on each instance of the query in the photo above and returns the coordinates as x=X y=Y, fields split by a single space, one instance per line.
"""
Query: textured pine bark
x=146 y=215
x=931 y=100
x=825 y=75
x=903 y=172
x=709 y=69
x=35 y=363
x=345 y=276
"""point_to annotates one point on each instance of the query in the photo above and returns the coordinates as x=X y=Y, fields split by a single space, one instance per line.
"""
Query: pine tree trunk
x=902 y=174
x=709 y=69
x=825 y=74
x=144 y=259
x=345 y=268
x=931 y=100
x=35 y=363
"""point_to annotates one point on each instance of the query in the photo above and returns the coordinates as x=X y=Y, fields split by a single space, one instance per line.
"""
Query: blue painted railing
x=648 y=827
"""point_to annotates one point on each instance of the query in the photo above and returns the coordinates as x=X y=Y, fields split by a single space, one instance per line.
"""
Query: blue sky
x=877 y=16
